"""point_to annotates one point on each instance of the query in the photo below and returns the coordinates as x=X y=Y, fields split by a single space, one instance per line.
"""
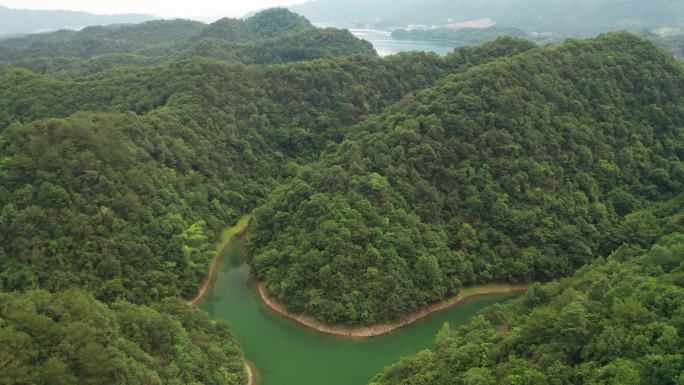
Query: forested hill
x=126 y=200
x=617 y=321
x=119 y=184
x=516 y=170
x=271 y=36
x=70 y=338
x=263 y=25
x=378 y=185
x=461 y=36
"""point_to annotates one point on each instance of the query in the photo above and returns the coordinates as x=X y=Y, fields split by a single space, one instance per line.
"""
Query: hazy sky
x=202 y=9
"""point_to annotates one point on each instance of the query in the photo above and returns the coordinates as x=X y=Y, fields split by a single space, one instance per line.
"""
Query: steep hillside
x=267 y=24
x=617 y=321
x=377 y=186
x=69 y=338
x=302 y=46
x=515 y=170
x=127 y=203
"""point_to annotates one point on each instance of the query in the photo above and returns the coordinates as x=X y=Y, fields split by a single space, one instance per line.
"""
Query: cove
x=285 y=353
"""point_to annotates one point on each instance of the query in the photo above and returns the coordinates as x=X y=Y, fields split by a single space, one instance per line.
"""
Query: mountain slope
x=266 y=24
x=154 y=36
x=127 y=203
x=380 y=185
x=617 y=321
x=516 y=170
x=309 y=44
x=69 y=338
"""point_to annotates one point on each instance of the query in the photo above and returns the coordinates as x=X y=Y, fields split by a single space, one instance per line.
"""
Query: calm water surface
x=385 y=45
x=285 y=353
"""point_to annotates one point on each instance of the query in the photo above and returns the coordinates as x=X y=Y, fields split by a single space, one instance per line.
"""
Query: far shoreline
x=361 y=332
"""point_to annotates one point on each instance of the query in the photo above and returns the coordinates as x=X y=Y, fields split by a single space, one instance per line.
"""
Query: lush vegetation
x=460 y=36
x=268 y=24
x=118 y=184
x=617 y=321
x=127 y=205
x=516 y=170
x=151 y=39
x=69 y=338
x=378 y=185
x=269 y=37
x=307 y=45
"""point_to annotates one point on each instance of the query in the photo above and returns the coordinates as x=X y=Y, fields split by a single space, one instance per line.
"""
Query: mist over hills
x=570 y=18
x=24 y=21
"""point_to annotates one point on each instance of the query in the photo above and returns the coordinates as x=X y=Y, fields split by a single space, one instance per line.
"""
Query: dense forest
x=69 y=338
x=15 y=22
x=269 y=37
x=512 y=171
x=378 y=186
x=126 y=200
x=619 y=320
x=460 y=36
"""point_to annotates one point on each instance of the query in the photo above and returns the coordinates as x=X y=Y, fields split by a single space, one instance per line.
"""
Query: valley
x=263 y=201
x=284 y=352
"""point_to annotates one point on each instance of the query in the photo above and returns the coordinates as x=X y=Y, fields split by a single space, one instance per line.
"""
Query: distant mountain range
x=21 y=21
x=561 y=17
x=272 y=36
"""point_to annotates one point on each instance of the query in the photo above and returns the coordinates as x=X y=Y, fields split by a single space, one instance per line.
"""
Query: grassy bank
x=221 y=245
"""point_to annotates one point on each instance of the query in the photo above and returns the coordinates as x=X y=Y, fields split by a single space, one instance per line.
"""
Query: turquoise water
x=285 y=353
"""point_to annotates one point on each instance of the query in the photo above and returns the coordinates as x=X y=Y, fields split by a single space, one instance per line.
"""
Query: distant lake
x=385 y=45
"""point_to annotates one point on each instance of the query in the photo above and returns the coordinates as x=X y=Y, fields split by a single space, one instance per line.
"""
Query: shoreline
x=251 y=378
x=222 y=244
x=386 y=328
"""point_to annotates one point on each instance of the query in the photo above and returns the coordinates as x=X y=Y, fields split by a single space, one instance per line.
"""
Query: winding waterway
x=285 y=353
